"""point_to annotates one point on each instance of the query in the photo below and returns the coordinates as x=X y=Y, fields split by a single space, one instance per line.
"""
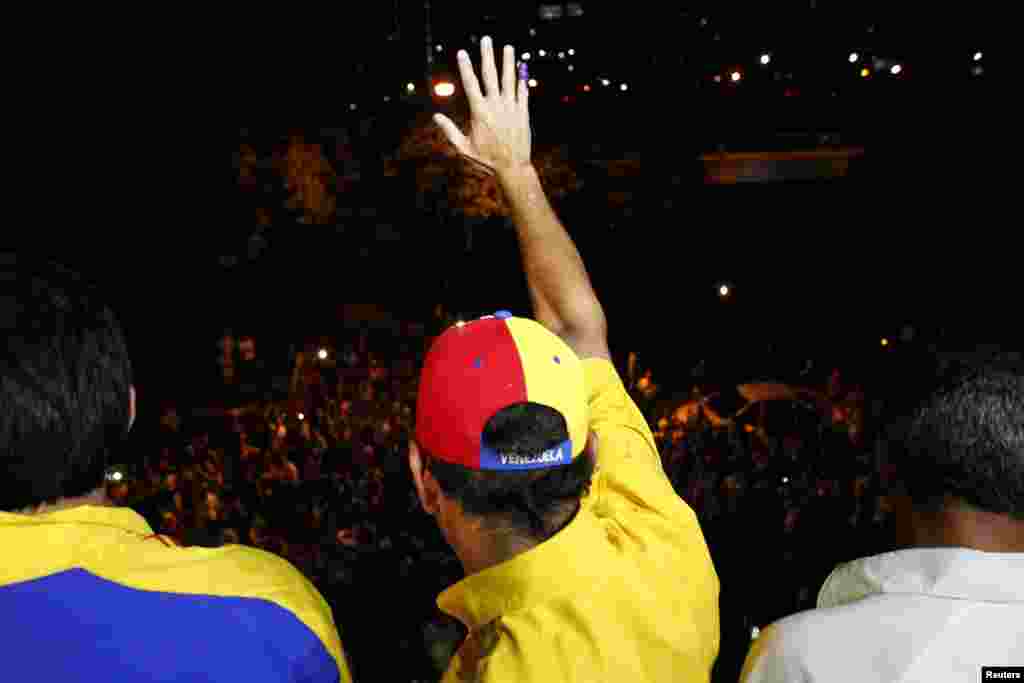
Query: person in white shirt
x=952 y=602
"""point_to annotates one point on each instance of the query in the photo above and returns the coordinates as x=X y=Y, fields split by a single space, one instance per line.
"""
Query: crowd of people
x=322 y=480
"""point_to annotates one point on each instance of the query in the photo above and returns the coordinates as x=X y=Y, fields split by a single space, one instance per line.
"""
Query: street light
x=444 y=89
x=410 y=87
x=766 y=58
x=736 y=76
x=854 y=57
x=322 y=354
x=723 y=291
x=977 y=56
x=623 y=87
x=532 y=82
x=896 y=70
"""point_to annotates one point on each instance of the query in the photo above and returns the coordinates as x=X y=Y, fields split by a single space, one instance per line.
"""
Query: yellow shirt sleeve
x=628 y=464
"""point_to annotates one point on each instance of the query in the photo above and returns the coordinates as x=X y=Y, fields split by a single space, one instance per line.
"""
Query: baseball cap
x=475 y=369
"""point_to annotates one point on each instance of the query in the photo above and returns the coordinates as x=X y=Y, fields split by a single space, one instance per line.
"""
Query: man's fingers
x=488 y=68
x=469 y=82
x=452 y=132
x=508 y=69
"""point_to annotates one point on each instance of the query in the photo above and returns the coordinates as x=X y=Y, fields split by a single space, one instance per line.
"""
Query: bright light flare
x=444 y=89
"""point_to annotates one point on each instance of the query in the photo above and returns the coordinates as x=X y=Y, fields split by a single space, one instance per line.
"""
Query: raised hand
x=499 y=136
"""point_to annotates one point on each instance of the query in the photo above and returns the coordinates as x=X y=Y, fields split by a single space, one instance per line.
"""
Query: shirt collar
x=956 y=573
x=117 y=517
x=556 y=567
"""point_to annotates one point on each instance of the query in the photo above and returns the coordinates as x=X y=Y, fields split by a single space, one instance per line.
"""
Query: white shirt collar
x=957 y=573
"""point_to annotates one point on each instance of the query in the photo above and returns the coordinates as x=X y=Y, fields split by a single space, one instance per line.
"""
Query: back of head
x=64 y=384
x=965 y=440
x=502 y=421
x=530 y=503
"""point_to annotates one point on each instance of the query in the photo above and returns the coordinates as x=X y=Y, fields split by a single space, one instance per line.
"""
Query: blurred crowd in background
x=786 y=483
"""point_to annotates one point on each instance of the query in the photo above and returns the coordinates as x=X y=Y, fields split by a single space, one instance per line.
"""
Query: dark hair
x=966 y=440
x=532 y=501
x=64 y=383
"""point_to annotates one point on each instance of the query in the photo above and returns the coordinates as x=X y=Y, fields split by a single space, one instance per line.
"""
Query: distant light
x=526 y=56
x=117 y=476
x=978 y=70
x=736 y=76
x=754 y=632
x=532 y=82
x=439 y=48
x=977 y=56
x=542 y=53
x=854 y=57
x=561 y=55
x=586 y=88
x=785 y=480
x=623 y=87
x=353 y=106
x=410 y=87
x=766 y=58
x=302 y=416
x=460 y=323
x=533 y=31
x=322 y=354
x=723 y=290
x=718 y=78
x=865 y=72
x=572 y=52
x=572 y=68
x=885 y=342
x=605 y=82
x=387 y=98
x=444 y=89
x=896 y=69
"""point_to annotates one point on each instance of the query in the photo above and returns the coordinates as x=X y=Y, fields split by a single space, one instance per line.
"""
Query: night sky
x=914 y=236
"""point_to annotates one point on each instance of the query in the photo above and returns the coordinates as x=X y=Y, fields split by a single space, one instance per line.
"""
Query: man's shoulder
x=244 y=573
x=801 y=646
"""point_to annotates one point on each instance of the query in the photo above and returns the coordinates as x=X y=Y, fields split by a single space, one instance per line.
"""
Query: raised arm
x=563 y=298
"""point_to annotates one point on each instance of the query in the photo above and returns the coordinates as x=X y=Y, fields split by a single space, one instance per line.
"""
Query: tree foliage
x=441 y=174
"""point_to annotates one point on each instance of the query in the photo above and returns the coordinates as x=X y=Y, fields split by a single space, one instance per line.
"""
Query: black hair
x=64 y=384
x=966 y=439
x=532 y=501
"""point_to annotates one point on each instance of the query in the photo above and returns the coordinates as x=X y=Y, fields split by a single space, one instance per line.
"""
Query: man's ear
x=591 y=447
x=426 y=486
x=131 y=406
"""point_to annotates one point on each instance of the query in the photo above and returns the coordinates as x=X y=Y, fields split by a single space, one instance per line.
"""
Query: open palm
x=499 y=136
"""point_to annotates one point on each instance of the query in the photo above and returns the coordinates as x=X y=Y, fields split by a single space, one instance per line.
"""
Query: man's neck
x=962 y=526
x=97 y=498
x=498 y=546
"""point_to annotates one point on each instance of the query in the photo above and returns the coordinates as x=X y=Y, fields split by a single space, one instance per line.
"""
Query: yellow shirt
x=96 y=595
x=626 y=592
